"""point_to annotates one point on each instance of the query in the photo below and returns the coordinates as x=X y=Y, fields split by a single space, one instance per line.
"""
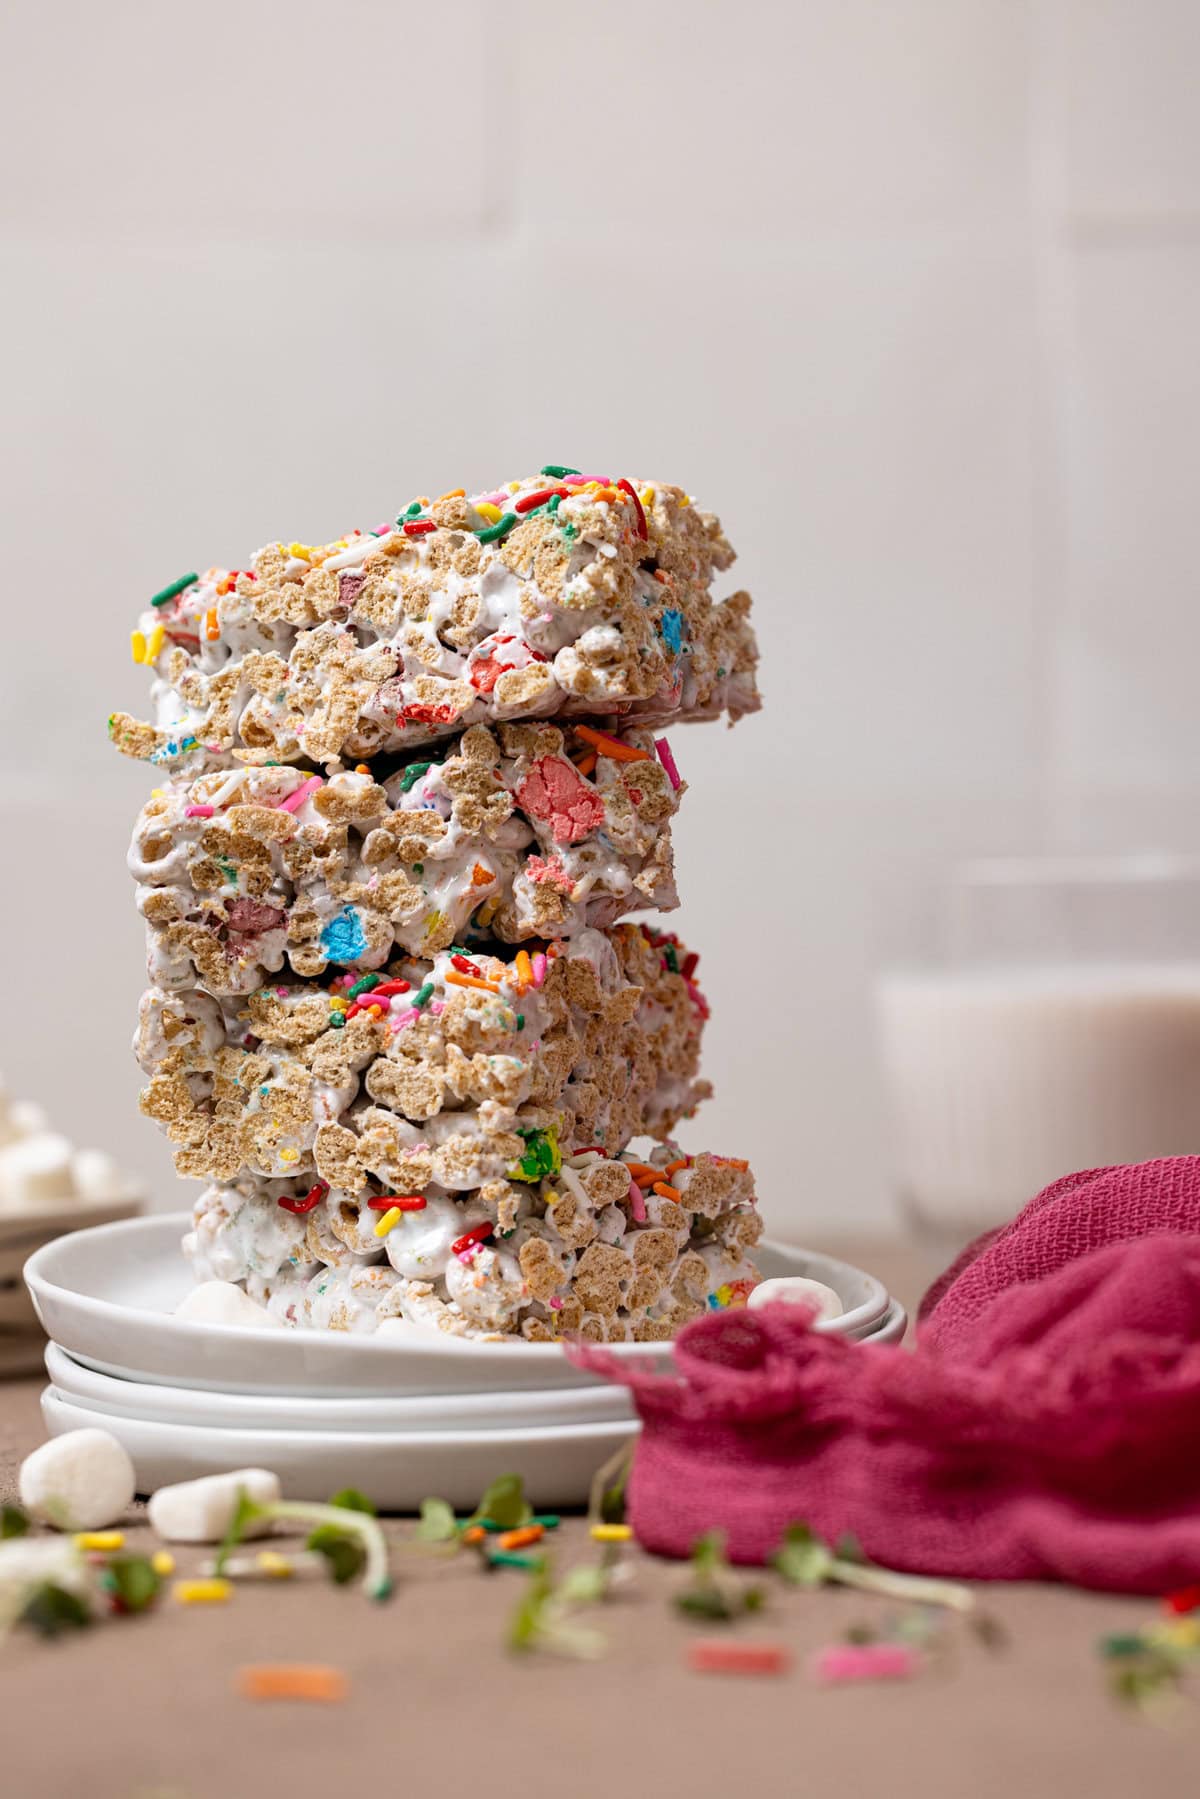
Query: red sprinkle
x=311 y=1199
x=403 y=1202
x=385 y=989
x=527 y=501
x=1185 y=1599
x=463 y=966
x=690 y=964
x=627 y=487
x=478 y=1233
x=719 y=1655
x=419 y=527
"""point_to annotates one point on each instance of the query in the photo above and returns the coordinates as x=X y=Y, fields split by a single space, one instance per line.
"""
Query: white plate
x=288 y=1411
x=397 y=1468
x=107 y=1296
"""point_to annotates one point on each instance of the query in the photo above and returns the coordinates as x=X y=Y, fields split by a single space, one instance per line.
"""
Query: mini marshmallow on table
x=201 y=1511
x=82 y=1481
x=798 y=1290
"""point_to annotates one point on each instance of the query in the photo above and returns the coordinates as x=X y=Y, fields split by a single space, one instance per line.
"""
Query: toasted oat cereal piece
x=523 y=831
x=458 y=1069
x=580 y=1250
x=556 y=596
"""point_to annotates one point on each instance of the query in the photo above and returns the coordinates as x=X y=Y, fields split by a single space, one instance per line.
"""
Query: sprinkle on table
x=611 y=1533
x=102 y=1541
x=721 y=1655
x=311 y=1681
x=202 y=1592
x=841 y=1663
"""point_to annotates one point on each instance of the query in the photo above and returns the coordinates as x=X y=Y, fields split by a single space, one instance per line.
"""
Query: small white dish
x=397 y=1468
x=108 y=1295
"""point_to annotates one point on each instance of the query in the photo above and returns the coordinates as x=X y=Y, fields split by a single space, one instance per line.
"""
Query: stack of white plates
x=400 y=1418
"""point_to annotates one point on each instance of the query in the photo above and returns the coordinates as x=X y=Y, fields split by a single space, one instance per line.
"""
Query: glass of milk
x=1062 y=1031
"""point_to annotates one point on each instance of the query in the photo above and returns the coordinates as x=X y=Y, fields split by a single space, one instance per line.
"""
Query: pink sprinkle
x=198 y=811
x=437 y=1007
x=295 y=800
x=556 y=1303
x=398 y=1024
x=495 y=499
x=637 y=1202
x=668 y=761
x=582 y=480
x=539 y=969
x=863 y=1661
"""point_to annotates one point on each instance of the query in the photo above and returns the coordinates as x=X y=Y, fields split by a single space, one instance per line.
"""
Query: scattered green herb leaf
x=13 y=1522
x=51 y=1610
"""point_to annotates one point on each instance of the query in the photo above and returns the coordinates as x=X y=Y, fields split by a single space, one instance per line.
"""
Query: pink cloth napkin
x=1046 y=1426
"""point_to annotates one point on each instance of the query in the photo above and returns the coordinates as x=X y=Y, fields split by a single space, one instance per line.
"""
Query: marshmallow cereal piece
x=81 y=1481
x=200 y=1511
x=220 y=1302
x=797 y=1289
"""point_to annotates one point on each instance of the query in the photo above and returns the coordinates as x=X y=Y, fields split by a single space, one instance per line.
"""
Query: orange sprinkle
x=668 y=1192
x=524 y=968
x=212 y=629
x=454 y=979
x=521 y=1539
x=732 y=1162
x=586 y=764
x=360 y=768
x=292 y=1680
x=476 y=1534
x=481 y=876
x=642 y=1170
x=609 y=746
x=674 y=1167
x=605 y=493
x=456 y=493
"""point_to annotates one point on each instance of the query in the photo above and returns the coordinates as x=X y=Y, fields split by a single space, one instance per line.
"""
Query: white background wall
x=907 y=290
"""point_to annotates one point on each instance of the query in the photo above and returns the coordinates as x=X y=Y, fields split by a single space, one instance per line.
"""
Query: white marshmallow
x=201 y=1511
x=220 y=1302
x=83 y=1481
x=26 y=1563
x=797 y=1289
x=36 y=1171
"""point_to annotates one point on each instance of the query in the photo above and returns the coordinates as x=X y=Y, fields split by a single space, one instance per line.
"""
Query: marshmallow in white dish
x=560 y=595
x=220 y=1302
x=36 y=1171
x=524 y=831
x=201 y=1511
x=798 y=1290
x=81 y=1481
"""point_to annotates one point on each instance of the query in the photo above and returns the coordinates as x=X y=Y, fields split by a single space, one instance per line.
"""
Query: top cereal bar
x=561 y=595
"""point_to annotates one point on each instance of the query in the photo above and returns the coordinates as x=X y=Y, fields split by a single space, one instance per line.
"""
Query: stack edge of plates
x=401 y=1418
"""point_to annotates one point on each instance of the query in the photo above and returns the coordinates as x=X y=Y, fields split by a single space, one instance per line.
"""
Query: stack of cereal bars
x=398 y=1018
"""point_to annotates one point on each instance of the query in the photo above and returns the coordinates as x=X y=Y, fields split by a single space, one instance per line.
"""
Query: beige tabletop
x=146 y=1708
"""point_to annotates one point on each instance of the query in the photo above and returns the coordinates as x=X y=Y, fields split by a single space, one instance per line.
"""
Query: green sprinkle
x=338 y=1021
x=413 y=774
x=520 y=1021
x=176 y=587
x=569 y=531
x=542 y=1155
x=423 y=996
x=418 y=868
x=671 y=959
x=500 y=529
x=554 y=502
x=1118 y=1646
x=413 y=511
x=558 y=470
x=505 y=1558
x=364 y=986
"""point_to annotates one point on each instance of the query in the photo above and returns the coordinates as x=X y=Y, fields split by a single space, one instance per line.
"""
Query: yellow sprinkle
x=339 y=1004
x=647 y=496
x=552 y=1199
x=277 y=1566
x=289 y=1155
x=156 y=793
x=685 y=499
x=610 y=1533
x=100 y=1539
x=163 y=1562
x=491 y=513
x=1181 y=1633
x=512 y=486
x=137 y=643
x=388 y=1221
x=302 y=550
x=202 y=1592
x=155 y=644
